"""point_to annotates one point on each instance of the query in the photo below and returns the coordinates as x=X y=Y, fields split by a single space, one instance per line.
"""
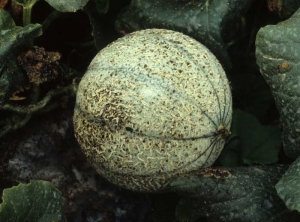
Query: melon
x=152 y=105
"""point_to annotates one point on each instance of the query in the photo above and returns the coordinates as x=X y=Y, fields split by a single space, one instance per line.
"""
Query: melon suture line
x=191 y=58
x=152 y=105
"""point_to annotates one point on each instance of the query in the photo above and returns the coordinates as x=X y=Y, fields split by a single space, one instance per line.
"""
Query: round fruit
x=152 y=105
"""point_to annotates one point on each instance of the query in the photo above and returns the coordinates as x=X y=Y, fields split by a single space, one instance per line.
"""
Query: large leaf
x=102 y=33
x=278 y=56
x=250 y=142
x=232 y=194
x=13 y=39
x=67 y=5
x=6 y=22
x=209 y=22
x=288 y=187
x=37 y=201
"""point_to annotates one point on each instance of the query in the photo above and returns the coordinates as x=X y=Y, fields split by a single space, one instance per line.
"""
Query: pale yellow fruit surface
x=152 y=105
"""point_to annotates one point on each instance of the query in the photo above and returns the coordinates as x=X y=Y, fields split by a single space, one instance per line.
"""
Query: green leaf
x=247 y=195
x=102 y=33
x=288 y=187
x=278 y=56
x=67 y=5
x=250 y=142
x=231 y=153
x=13 y=40
x=6 y=22
x=209 y=22
x=37 y=201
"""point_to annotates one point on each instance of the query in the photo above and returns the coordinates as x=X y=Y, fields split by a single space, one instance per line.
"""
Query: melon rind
x=149 y=108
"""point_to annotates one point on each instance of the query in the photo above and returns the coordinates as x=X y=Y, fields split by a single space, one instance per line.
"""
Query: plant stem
x=34 y=108
x=27 y=15
x=53 y=16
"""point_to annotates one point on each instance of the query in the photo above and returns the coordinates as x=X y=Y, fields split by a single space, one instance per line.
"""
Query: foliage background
x=36 y=105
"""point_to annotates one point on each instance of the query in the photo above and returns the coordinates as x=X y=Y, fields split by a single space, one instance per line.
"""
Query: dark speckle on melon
x=152 y=105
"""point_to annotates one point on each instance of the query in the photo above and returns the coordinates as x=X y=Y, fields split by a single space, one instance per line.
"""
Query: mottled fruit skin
x=152 y=105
